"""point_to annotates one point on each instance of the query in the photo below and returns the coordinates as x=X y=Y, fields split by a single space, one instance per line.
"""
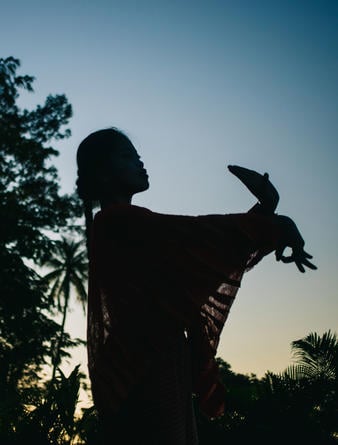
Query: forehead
x=125 y=146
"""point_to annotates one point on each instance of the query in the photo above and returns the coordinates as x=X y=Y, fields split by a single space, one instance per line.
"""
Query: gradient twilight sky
x=198 y=85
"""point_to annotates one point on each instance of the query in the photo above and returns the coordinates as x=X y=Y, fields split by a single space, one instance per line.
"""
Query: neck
x=117 y=199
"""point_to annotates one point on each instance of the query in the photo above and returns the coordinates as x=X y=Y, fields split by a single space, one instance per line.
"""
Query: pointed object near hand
x=259 y=185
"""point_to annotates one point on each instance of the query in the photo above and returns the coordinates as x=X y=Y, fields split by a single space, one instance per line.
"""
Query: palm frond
x=69 y=264
x=51 y=276
x=55 y=291
x=81 y=292
x=317 y=354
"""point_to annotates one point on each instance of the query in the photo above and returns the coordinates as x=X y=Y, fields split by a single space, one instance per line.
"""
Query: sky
x=198 y=85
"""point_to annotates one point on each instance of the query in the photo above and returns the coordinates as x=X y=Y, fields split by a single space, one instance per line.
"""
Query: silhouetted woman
x=160 y=289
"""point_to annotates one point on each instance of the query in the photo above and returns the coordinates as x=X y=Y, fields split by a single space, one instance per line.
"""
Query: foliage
x=29 y=188
x=317 y=357
x=49 y=417
x=297 y=406
x=87 y=427
x=68 y=261
x=31 y=207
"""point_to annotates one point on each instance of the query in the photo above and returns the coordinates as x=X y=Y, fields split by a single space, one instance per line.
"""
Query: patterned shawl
x=153 y=275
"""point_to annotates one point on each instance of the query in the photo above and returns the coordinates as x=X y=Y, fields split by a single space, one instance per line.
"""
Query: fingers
x=279 y=252
x=300 y=266
x=298 y=256
x=310 y=265
x=299 y=261
x=287 y=259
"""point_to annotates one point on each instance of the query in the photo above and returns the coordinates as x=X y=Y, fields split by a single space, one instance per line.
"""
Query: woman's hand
x=259 y=185
x=292 y=238
x=268 y=197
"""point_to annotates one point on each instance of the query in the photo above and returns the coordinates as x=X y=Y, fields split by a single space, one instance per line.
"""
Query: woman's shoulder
x=121 y=209
x=120 y=214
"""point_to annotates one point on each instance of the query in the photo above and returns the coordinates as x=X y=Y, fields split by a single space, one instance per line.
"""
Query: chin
x=142 y=186
x=146 y=183
x=146 y=186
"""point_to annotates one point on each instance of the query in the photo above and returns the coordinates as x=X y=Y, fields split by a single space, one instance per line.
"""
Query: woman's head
x=109 y=170
x=109 y=167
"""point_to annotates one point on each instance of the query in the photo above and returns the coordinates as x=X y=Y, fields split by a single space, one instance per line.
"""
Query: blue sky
x=198 y=85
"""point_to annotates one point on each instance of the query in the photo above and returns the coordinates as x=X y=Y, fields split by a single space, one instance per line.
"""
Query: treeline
x=36 y=222
x=39 y=232
x=297 y=406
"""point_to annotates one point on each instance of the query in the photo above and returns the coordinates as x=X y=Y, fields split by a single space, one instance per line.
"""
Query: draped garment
x=155 y=275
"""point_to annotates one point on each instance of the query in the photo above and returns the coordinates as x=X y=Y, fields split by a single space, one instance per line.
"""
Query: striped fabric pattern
x=153 y=277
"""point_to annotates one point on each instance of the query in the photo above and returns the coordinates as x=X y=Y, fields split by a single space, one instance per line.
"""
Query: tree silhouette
x=316 y=356
x=297 y=406
x=68 y=261
x=302 y=401
x=31 y=207
x=316 y=374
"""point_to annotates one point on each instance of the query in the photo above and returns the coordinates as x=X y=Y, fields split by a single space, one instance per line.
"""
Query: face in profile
x=124 y=171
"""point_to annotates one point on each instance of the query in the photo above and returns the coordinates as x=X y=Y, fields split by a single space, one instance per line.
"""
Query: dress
x=160 y=290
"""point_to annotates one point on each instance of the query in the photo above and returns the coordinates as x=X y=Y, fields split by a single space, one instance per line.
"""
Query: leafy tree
x=316 y=373
x=51 y=418
x=316 y=356
x=31 y=207
x=68 y=261
x=241 y=393
x=298 y=406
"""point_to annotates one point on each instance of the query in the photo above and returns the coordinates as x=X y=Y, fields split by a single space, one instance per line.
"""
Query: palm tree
x=317 y=356
x=308 y=390
x=69 y=264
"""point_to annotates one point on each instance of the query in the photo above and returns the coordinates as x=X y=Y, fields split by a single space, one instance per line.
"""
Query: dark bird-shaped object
x=259 y=185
